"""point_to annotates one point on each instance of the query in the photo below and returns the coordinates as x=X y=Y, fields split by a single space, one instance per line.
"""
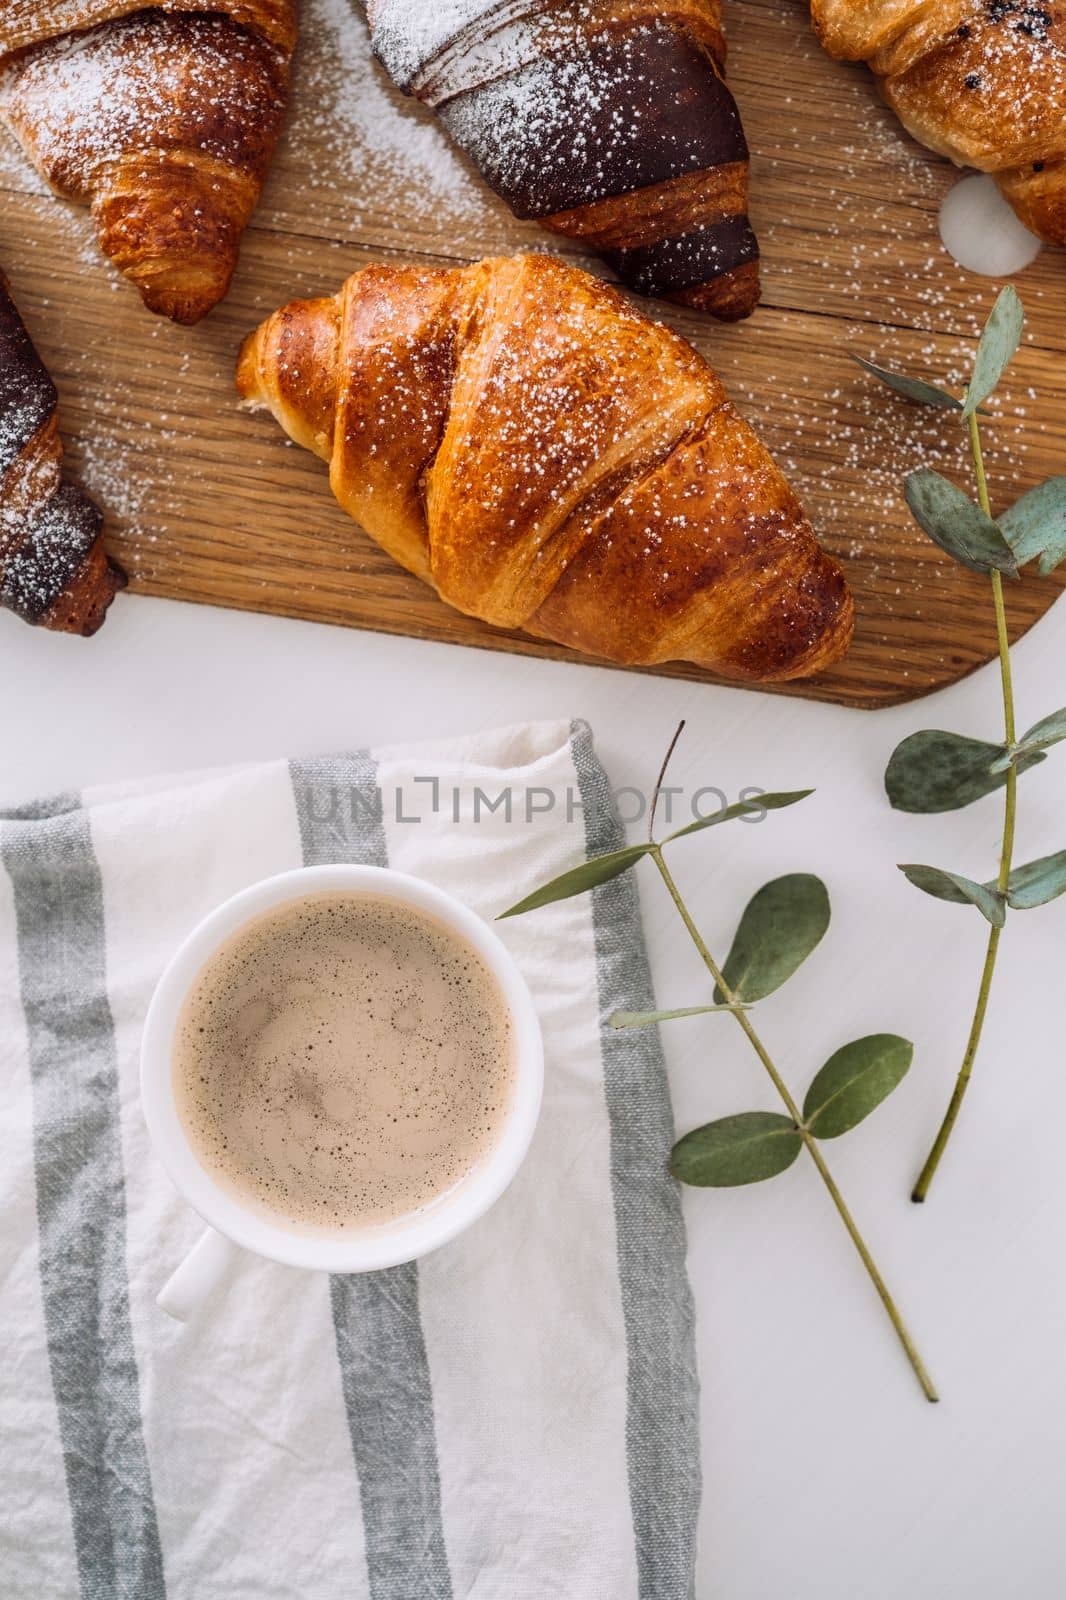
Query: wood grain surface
x=209 y=504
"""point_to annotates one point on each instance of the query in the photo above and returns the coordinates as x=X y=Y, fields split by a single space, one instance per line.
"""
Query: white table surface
x=827 y=1474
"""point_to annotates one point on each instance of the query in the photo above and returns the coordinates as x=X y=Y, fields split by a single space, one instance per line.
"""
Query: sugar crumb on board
x=358 y=136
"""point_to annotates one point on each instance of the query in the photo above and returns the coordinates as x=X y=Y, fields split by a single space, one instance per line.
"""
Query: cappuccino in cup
x=342 y=1061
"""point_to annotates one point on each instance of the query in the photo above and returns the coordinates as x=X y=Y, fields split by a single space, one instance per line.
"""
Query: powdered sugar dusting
x=409 y=33
x=553 y=105
x=120 y=480
x=56 y=539
x=364 y=137
x=18 y=422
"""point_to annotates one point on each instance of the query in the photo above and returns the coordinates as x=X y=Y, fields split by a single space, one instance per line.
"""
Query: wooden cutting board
x=208 y=504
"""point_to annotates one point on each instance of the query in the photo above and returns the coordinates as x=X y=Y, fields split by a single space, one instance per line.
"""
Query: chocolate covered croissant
x=607 y=120
x=53 y=568
x=980 y=81
x=517 y=435
x=162 y=117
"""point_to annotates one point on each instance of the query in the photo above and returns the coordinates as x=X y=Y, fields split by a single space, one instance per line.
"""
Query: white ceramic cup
x=232 y=1224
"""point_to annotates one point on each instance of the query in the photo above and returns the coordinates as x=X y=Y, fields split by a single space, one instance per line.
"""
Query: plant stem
x=661 y=779
x=809 y=1140
x=1006 y=855
x=730 y=998
x=921 y=1188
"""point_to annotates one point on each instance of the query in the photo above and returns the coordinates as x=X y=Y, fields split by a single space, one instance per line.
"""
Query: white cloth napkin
x=514 y=1418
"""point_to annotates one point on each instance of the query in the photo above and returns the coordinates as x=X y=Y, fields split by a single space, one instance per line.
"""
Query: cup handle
x=205 y=1267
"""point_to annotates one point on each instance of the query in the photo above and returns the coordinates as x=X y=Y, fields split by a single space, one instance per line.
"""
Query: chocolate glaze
x=602 y=134
x=609 y=122
x=52 y=570
x=51 y=555
x=696 y=257
x=27 y=393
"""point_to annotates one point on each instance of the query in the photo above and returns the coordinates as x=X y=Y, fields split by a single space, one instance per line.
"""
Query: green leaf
x=854 y=1081
x=747 y=1148
x=742 y=808
x=956 y=524
x=642 y=1019
x=1038 y=882
x=911 y=388
x=935 y=771
x=1048 y=731
x=1035 y=525
x=1053 y=557
x=780 y=927
x=1001 y=337
x=958 y=890
x=589 y=875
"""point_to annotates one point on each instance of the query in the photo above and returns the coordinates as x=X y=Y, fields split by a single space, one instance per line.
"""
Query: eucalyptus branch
x=936 y=771
x=780 y=927
x=1006 y=857
x=810 y=1143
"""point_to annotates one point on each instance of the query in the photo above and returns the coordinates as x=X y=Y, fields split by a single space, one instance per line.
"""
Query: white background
x=827 y=1474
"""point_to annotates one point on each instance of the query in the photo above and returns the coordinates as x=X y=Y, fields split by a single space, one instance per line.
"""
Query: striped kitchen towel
x=514 y=1418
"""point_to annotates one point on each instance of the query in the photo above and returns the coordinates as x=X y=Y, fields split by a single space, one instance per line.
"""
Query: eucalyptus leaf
x=746 y=1148
x=854 y=1081
x=1035 y=525
x=1038 y=882
x=960 y=891
x=742 y=808
x=935 y=771
x=1053 y=557
x=1001 y=337
x=911 y=388
x=781 y=925
x=589 y=875
x=642 y=1019
x=1048 y=731
x=957 y=524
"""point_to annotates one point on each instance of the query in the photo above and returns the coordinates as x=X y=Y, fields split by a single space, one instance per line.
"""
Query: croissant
x=164 y=117
x=607 y=120
x=517 y=435
x=53 y=568
x=980 y=81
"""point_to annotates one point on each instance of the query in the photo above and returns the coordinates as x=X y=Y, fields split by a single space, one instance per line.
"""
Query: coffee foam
x=343 y=1061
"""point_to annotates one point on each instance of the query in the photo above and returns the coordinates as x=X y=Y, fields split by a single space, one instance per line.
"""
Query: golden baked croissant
x=519 y=436
x=980 y=81
x=607 y=120
x=53 y=568
x=164 y=117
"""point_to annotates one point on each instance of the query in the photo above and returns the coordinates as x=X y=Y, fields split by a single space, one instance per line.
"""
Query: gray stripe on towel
x=380 y=1344
x=81 y=1202
x=662 y=1418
